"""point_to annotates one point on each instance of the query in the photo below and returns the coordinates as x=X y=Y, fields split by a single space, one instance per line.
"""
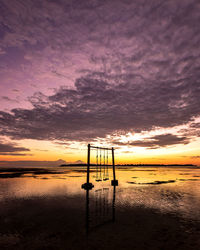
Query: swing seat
x=105 y=179
x=98 y=180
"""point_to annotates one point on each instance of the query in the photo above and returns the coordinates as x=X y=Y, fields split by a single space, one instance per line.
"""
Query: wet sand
x=42 y=212
x=59 y=223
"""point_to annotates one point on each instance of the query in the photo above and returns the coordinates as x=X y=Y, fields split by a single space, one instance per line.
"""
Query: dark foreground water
x=152 y=208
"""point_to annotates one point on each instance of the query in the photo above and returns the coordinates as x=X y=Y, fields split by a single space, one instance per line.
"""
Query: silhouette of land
x=131 y=165
x=21 y=172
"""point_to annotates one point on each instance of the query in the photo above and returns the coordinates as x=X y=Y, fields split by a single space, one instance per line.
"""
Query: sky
x=114 y=73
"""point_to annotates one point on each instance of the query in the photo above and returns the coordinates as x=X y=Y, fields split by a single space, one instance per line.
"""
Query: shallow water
x=50 y=209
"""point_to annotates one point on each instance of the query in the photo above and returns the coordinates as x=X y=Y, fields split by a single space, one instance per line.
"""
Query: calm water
x=149 y=206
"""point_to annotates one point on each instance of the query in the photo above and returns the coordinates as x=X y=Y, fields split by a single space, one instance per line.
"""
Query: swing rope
x=97 y=167
x=102 y=161
x=100 y=177
x=98 y=163
x=104 y=168
x=107 y=175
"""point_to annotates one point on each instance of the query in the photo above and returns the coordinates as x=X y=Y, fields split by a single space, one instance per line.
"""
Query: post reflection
x=100 y=208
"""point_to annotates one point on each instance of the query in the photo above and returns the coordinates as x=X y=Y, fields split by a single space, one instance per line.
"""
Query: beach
x=47 y=209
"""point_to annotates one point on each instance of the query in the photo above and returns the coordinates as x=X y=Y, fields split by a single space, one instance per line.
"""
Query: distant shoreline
x=132 y=165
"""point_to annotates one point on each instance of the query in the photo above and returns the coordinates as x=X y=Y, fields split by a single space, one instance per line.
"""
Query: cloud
x=124 y=66
x=32 y=163
x=124 y=36
x=96 y=108
x=15 y=154
x=157 y=141
x=12 y=149
x=8 y=99
x=15 y=90
x=127 y=152
x=195 y=157
x=195 y=125
x=192 y=130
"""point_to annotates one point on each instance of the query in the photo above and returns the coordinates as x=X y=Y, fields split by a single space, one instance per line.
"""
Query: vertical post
x=114 y=182
x=88 y=164
x=113 y=163
x=88 y=185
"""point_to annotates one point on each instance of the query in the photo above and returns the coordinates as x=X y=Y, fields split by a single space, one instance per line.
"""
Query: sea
x=151 y=208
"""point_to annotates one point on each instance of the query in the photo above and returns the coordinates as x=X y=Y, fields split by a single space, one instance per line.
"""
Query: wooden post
x=113 y=163
x=88 y=185
x=114 y=182
x=88 y=164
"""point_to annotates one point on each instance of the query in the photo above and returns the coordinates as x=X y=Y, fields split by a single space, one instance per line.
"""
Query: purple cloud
x=101 y=67
x=96 y=108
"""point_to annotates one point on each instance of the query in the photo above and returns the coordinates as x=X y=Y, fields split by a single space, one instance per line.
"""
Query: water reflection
x=51 y=211
x=166 y=189
x=100 y=208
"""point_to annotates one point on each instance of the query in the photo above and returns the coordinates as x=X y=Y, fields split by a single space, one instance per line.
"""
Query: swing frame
x=88 y=184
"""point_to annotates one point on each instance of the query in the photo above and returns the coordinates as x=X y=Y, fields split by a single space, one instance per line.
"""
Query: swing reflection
x=100 y=208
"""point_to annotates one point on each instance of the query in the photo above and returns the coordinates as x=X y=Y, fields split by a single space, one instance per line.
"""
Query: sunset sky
x=116 y=73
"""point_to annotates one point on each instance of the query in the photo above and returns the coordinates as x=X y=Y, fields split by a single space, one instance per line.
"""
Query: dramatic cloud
x=96 y=108
x=157 y=141
x=12 y=149
x=102 y=68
